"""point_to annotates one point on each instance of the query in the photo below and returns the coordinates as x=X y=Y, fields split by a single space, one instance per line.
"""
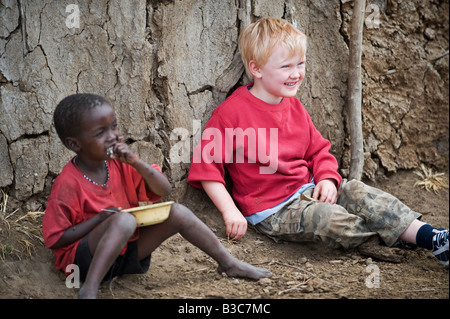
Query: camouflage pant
x=361 y=211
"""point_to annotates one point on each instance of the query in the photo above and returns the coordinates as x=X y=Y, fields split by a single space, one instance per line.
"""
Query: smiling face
x=98 y=133
x=280 y=77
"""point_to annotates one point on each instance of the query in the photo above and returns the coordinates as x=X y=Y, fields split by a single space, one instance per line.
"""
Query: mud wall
x=405 y=86
x=165 y=65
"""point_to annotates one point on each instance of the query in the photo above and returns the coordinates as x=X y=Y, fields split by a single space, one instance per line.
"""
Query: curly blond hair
x=259 y=39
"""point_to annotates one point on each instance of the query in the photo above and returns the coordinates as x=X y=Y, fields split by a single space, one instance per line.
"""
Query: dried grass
x=3 y=202
x=430 y=180
x=19 y=235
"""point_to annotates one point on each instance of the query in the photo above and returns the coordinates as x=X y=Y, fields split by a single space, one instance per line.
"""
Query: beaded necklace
x=90 y=180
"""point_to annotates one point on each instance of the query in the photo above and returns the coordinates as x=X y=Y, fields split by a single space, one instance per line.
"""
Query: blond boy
x=298 y=195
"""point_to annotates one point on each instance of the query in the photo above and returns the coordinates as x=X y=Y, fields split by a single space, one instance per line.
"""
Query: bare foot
x=241 y=269
x=86 y=293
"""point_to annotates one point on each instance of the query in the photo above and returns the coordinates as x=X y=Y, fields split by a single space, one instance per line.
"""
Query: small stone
x=265 y=281
x=308 y=289
x=303 y=260
x=309 y=266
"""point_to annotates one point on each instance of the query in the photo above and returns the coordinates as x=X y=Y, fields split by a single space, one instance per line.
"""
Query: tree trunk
x=354 y=91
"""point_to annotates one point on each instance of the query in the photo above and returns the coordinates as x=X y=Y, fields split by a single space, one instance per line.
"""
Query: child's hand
x=122 y=152
x=325 y=191
x=236 y=225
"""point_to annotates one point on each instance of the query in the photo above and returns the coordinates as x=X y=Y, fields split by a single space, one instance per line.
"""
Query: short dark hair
x=69 y=113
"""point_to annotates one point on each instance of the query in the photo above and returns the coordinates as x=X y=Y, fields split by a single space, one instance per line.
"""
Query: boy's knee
x=176 y=208
x=126 y=222
x=179 y=213
x=352 y=185
x=354 y=189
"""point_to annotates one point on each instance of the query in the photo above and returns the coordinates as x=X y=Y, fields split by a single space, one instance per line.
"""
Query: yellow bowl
x=150 y=214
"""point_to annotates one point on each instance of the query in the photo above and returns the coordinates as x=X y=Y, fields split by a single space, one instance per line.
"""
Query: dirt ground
x=300 y=271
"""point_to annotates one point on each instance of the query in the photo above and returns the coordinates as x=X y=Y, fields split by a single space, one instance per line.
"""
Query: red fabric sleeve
x=209 y=159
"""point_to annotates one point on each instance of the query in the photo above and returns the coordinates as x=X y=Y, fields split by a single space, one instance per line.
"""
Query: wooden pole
x=354 y=95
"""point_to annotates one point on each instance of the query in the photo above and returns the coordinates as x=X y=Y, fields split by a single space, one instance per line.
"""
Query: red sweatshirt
x=269 y=151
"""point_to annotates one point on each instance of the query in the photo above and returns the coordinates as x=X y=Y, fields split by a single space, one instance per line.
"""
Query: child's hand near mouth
x=122 y=152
